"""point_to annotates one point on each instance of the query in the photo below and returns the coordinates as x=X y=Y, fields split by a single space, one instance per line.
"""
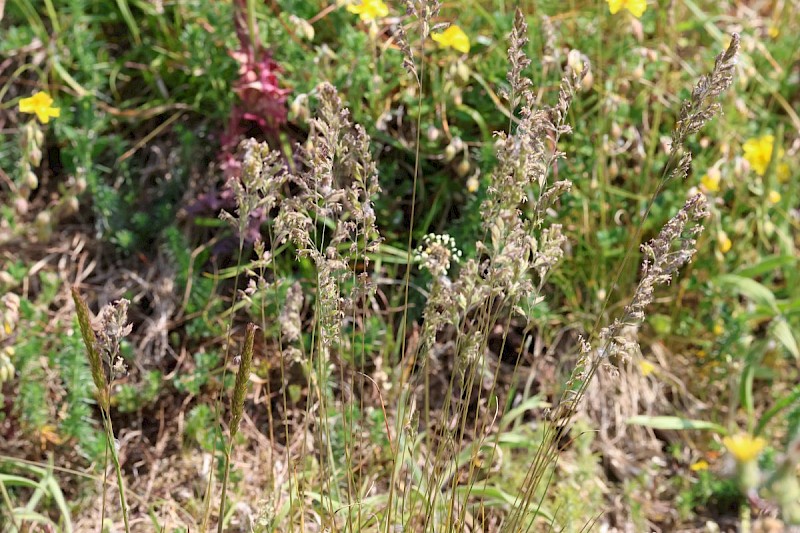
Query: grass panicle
x=704 y=104
x=113 y=327
x=237 y=408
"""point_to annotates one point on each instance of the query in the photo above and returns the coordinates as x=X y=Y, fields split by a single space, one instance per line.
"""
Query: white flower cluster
x=436 y=252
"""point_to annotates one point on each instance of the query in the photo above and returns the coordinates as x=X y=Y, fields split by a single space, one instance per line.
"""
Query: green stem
x=115 y=458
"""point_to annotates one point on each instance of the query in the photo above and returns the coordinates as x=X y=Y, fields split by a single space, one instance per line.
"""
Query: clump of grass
x=672 y=249
x=329 y=222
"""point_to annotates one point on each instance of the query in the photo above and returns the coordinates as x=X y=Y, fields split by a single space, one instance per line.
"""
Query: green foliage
x=63 y=357
x=201 y=428
x=133 y=397
x=150 y=65
x=706 y=491
x=193 y=382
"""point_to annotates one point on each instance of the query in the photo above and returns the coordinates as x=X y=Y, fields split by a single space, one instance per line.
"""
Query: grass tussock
x=413 y=303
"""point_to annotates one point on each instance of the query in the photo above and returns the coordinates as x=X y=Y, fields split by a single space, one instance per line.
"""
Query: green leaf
x=766 y=266
x=746 y=386
x=674 y=423
x=780 y=405
x=782 y=332
x=749 y=288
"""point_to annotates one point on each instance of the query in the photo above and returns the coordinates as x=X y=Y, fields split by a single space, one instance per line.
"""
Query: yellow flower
x=773 y=32
x=699 y=465
x=710 y=181
x=758 y=153
x=646 y=367
x=724 y=243
x=453 y=37
x=744 y=448
x=41 y=104
x=774 y=197
x=369 y=9
x=636 y=7
x=472 y=184
x=719 y=328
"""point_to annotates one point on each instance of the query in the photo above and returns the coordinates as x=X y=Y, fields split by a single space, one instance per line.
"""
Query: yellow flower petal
x=614 y=6
x=369 y=9
x=41 y=105
x=711 y=180
x=699 y=465
x=724 y=243
x=744 y=448
x=758 y=152
x=636 y=7
x=774 y=197
x=453 y=37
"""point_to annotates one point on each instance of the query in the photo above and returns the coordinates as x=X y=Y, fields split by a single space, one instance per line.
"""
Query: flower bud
x=462 y=72
x=616 y=131
x=456 y=145
x=35 y=156
x=21 y=205
x=31 y=181
x=587 y=81
x=574 y=60
x=68 y=206
x=463 y=168
x=44 y=228
x=80 y=185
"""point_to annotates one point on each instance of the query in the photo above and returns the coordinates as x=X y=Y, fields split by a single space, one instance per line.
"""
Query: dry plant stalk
x=237 y=408
x=102 y=351
x=664 y=256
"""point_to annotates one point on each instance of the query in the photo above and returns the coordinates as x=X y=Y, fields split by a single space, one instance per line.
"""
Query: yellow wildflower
x=744 y=448
x=719 y=328
x=773 y=32
x=774 y=197
x=702 y=464
x=710 y=181
x=636 y=7
x=472 y=184
x=724 y=243
x=369 y=9
x=646 y=367
x=453 y=37
x=41 y=104
x=758 y=153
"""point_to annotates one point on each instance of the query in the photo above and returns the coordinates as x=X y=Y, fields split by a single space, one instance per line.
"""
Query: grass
x=427 y=295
